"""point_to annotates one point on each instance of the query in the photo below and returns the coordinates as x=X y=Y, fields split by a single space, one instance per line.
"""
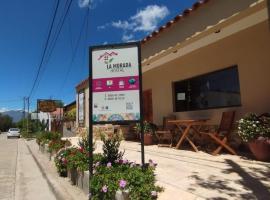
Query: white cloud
x=88 y=3
x=101 y=27
x=3 y=110
x=127 y=38
x=125 y=25
x=84 y=3
x=104 y=43
x=148 y=18
x=145 y=20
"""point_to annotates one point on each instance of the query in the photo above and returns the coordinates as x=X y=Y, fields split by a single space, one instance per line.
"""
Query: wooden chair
x=167 y=131
x=222 y=134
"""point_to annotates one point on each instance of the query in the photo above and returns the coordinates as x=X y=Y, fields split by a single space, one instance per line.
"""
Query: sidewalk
x=30 y=183
x=61 y=187
x=187 y=175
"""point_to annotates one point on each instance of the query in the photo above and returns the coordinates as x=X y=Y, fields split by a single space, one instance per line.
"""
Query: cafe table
x=185 y=126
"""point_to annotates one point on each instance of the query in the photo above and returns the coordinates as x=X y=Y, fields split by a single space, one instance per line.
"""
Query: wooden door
x=147 y=105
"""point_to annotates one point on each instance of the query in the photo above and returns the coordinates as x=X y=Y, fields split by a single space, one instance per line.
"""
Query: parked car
x=13 y=132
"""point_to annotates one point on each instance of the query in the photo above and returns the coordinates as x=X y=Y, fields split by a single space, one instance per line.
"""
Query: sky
x=25 y=26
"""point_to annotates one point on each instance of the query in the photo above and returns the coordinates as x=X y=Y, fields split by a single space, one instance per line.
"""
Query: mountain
x=16 y=115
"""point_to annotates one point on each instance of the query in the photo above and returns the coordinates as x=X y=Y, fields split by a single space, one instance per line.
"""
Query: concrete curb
x=57 y=190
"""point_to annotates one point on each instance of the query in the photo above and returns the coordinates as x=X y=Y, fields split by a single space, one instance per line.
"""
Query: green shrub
x=252 y=127
x=111 y=144
x=125 y=176
x=45 y=137
x=78 y=159
x=55 y=145
x=60 y=160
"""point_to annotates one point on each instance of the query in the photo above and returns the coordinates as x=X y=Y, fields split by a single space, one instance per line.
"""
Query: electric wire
x=74 y=53
x=45 y=49
x=57 y=33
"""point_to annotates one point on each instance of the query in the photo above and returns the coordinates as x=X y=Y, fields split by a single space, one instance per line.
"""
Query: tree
x=34 y=126
x=6 y=122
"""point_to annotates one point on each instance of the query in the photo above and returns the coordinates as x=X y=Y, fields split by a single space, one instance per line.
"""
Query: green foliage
x=46 y=136
x=252 y=127
x=147 y=128
x=84 y=144
x=60 y=160
x=111 y=144
x=111 y=174
x=6 y=122
x=78 y=159
x=70 y=115
x=34 y=127
x=139 y=183
x=55 y=145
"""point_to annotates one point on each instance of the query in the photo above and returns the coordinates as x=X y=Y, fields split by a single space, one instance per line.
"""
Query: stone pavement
x=190 y=175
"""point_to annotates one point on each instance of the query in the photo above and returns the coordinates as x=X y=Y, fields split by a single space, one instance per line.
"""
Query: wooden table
x=185 y=126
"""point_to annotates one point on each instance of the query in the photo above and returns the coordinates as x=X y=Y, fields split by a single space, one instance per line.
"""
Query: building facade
x=211 y=58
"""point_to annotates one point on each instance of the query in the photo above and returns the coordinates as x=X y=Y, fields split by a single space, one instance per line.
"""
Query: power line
x=57 y=32
x=74 y=53
x=60 y=24
x=45 y=49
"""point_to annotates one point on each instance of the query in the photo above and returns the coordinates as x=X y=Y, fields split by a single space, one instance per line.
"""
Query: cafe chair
x=166 y=133
x=223 y=132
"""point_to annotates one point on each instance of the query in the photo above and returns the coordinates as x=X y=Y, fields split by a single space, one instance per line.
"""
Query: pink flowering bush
x=126 y=176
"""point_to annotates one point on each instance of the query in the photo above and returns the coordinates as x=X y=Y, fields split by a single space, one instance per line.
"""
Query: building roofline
x=175 y=20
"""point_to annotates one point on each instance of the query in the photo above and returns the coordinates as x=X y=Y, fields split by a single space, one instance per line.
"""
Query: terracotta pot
x=148 y=139
x=260 y=149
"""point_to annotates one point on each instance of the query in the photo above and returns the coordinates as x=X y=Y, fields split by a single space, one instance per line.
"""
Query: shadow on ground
x=250 y=183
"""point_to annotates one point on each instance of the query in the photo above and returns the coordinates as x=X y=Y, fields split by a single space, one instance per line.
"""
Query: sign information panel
x=115 y=83
x=46 y=105
x=81 y=107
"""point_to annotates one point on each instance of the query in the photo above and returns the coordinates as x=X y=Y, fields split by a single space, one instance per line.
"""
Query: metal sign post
x=115 y=89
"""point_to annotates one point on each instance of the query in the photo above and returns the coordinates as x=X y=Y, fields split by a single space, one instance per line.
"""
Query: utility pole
x=27 y=99
x=23 y=121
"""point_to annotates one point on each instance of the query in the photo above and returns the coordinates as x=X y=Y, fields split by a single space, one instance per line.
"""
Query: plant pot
x=148 y=139
x=63 y=174
x=83 y=181
x=260 y=149
x=73 y=176
x=122 y=195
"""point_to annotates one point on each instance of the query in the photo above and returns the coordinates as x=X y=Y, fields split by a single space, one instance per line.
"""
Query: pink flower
x=81 y=149
x=133 y=164
x=109 y=164
x=125 y=161
x=64 y=160
x=122 y=183
x=152 y=163
x=104 y=189
x=154 y=193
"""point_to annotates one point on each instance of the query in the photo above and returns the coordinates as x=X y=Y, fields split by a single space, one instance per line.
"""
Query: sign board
x=81 y=107
x=115 y=83
x=47 y=105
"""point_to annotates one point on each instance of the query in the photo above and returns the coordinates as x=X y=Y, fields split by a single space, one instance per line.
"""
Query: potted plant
x=60 y=161
x=255 y=130
x=148 y=132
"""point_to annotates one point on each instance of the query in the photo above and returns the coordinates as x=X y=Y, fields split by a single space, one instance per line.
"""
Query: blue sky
x=25 y=25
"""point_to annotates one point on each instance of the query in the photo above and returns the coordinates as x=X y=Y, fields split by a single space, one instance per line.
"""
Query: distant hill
x=16 y=115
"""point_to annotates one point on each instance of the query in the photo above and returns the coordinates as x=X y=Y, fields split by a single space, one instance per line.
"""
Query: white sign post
x=115 y=84
x=115 y=87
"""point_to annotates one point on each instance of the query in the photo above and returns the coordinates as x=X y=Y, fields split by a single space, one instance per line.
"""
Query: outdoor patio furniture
x=167 y=131
x=185 y=126
x=221 y=135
